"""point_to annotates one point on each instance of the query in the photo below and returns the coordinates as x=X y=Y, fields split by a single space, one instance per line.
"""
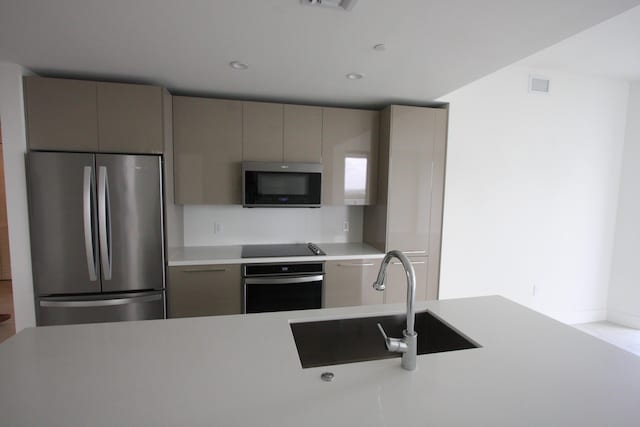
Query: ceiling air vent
x=538 y=85
x=332 y=4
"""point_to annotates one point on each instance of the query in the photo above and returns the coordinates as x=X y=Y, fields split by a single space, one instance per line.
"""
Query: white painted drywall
x=624 y=291
x=15 y=147
x=270 y=225
x=531 y=191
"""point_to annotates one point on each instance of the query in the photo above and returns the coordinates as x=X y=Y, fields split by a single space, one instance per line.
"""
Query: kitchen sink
x=334 y=342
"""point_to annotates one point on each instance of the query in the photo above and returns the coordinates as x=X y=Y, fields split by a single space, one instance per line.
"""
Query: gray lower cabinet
x=349 y=156
x=350 y=283
x=396 y=282
x=207 y=290
x=207 y=148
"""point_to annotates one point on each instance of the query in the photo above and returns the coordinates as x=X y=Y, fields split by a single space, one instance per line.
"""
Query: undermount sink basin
x=334 y=342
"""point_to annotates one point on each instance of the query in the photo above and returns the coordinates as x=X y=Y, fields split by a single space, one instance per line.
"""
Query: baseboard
x=582 y=316
x=624 y=319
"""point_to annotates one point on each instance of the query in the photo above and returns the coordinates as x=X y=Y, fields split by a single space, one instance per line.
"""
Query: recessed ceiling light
x=379 y=47
x=354 y=76
x=237 y=65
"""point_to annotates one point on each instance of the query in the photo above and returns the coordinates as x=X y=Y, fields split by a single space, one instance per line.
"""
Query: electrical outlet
x=345 y=226
x=534 y=290
x=218 y=228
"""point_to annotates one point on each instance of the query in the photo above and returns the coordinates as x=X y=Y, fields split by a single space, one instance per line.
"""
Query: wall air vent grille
x=331 y=4
x=538 y=85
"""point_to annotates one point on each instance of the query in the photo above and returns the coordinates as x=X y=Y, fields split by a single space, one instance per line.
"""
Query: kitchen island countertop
x=210 y=255
x=244 y=370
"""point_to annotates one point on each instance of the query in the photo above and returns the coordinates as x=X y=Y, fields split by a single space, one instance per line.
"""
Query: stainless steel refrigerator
x=97 y=237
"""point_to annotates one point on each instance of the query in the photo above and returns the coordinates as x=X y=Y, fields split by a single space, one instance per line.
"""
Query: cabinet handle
x=353 y=264
x=414 y=252
x=412 y=262
x=203 y=270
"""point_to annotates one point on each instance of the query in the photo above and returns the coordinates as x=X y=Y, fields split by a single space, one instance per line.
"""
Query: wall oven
x=272 y=184
x=282 y=286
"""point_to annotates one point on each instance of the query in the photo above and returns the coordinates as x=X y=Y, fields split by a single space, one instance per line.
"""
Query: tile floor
x=620 y=336
x=7 y=328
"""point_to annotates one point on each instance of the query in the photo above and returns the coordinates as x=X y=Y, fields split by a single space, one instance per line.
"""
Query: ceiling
x=295 y=53
x=610 y=49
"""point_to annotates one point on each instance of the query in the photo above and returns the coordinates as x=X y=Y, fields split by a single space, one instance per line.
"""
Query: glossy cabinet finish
x=408 y=213
x=89 y=116
x=61 y=114
x=262 y=134
x=349 y=156
x=350 y=283
x=130 y=118
x=302 y=133
x=396 y=290
x=204 y=291
x=207 y=138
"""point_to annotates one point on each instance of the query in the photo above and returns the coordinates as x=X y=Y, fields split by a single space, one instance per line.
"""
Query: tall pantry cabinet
x=408 y=212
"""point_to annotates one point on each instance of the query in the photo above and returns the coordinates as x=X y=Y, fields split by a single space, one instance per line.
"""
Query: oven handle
x=283 y=281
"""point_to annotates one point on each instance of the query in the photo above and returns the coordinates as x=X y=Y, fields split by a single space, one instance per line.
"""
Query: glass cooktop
x=281 y=250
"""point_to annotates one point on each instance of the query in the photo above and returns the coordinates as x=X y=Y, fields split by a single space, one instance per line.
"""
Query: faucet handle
x=396 y=345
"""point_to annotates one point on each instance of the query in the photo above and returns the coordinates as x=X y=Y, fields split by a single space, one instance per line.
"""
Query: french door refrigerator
x=97 y=237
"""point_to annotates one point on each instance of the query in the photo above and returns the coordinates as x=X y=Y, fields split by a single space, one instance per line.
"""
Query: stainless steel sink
x=334 y=342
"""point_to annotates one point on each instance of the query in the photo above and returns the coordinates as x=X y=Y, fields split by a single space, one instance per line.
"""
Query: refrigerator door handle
x=104 y=221
x=87 y=218
x=100 y=302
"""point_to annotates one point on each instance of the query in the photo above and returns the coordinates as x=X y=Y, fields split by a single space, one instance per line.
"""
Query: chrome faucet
x=408 y=344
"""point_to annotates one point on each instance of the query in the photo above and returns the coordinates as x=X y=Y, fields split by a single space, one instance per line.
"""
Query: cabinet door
x=130 y=118
x=61 y=114
x=302 y=133
x=412 y=142
x=262 y=131
x=349 y=156
x=350 y=283
x=207 y=144
x=204 y=290
x=396 y=282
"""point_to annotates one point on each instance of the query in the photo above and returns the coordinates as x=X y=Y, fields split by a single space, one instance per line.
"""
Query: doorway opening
x=7 y=315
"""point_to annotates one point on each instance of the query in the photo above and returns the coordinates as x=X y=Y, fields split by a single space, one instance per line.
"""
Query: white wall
x=624 y=291
x=531 y=191
x=15 y=147
x=270 y=225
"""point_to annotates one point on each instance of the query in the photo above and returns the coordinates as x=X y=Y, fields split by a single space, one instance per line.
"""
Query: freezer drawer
x=101 y=308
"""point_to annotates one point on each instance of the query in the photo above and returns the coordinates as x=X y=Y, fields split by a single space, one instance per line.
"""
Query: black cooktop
x=281 y=250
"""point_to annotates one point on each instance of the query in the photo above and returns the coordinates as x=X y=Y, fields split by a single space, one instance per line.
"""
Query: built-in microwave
x=273 y=184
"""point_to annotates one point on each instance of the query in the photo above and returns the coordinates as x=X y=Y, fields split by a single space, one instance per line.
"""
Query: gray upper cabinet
x=302 y=133
x=130 y=118
x=262 y=125
x=77 y=115
x=61 y=114
x=207 y=139
x=349 y=156
x=408 y=214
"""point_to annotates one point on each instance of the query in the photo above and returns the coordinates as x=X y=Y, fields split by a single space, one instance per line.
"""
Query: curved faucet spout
x=409 y=342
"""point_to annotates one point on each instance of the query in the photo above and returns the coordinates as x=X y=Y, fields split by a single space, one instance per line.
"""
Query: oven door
x=262 y=294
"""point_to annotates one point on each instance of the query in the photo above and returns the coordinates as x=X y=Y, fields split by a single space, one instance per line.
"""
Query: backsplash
x=235 y=225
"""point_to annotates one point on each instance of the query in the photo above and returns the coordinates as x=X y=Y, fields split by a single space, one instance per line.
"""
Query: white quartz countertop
x=208 y=255
x=244 y=370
